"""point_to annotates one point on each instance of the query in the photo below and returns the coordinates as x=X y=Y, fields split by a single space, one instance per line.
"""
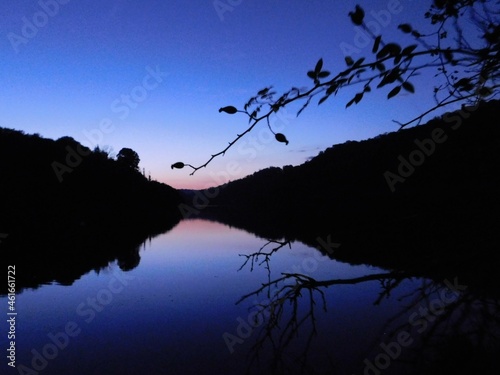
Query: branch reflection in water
x=442 y=326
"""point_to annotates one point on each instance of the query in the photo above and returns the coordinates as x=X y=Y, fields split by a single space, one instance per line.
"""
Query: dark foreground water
x=176 y=313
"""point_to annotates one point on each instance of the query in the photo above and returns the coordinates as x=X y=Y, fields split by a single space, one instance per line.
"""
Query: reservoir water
x=176 y=312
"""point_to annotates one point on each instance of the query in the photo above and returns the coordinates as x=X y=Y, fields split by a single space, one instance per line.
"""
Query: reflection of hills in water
x=414 y=259
x=64 y=262
x=441 y=218
x=444 y=325
x=448 y=324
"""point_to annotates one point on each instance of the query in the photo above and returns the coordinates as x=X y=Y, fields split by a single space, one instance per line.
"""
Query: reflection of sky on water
x=171 y=311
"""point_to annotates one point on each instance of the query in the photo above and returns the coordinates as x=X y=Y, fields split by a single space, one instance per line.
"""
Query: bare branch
x=469 y=67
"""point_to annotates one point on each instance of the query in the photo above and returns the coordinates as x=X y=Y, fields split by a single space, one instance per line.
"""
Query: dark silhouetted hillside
x=446 y=210
x=67 y=209
x=61 y=187
x=351 y=175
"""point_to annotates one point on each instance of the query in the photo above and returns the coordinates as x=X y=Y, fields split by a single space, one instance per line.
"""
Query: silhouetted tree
x=128 y=157
x=105 y=151
x=463 y=52
x=74 y=212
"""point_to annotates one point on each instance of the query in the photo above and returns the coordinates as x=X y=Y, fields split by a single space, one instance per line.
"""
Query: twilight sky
x=153 y=74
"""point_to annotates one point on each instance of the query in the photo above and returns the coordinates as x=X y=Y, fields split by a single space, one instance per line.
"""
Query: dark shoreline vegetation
x=61 y=226
x=439 y=222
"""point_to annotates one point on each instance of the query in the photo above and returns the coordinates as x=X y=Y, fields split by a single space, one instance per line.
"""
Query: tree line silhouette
x=101 y=210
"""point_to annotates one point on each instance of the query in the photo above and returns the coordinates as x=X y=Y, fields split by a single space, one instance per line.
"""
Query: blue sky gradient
x=151 y=75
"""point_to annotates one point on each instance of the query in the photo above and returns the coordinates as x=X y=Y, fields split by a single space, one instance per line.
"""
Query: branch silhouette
x=283 y=325
x=468 y=322
x=469 y=68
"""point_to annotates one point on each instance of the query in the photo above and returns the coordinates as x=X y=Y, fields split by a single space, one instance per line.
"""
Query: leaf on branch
x=376 y=45
x=485 y=91
x=358 y=63
x=394 y=92
x=178 y=165
x=281 y=138
x=319 y=66
x=229 y=109
x=323 y=74
x=357 y=98
x=383 y=52
x=263 y=91
x=391 y=77
x=406 y=28
x=416 y=34
x=253 y=115
x=250 y=102
x=464 y=84
x=391 y=49
x=357 y=16
x=395 y=49
x=332 y=88
x=409 y=49
x=380 y=66
x=323 y=99
x=349 y=61
x=409 y=87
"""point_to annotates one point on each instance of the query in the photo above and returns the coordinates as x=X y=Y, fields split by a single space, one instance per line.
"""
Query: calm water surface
x=176 y=312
